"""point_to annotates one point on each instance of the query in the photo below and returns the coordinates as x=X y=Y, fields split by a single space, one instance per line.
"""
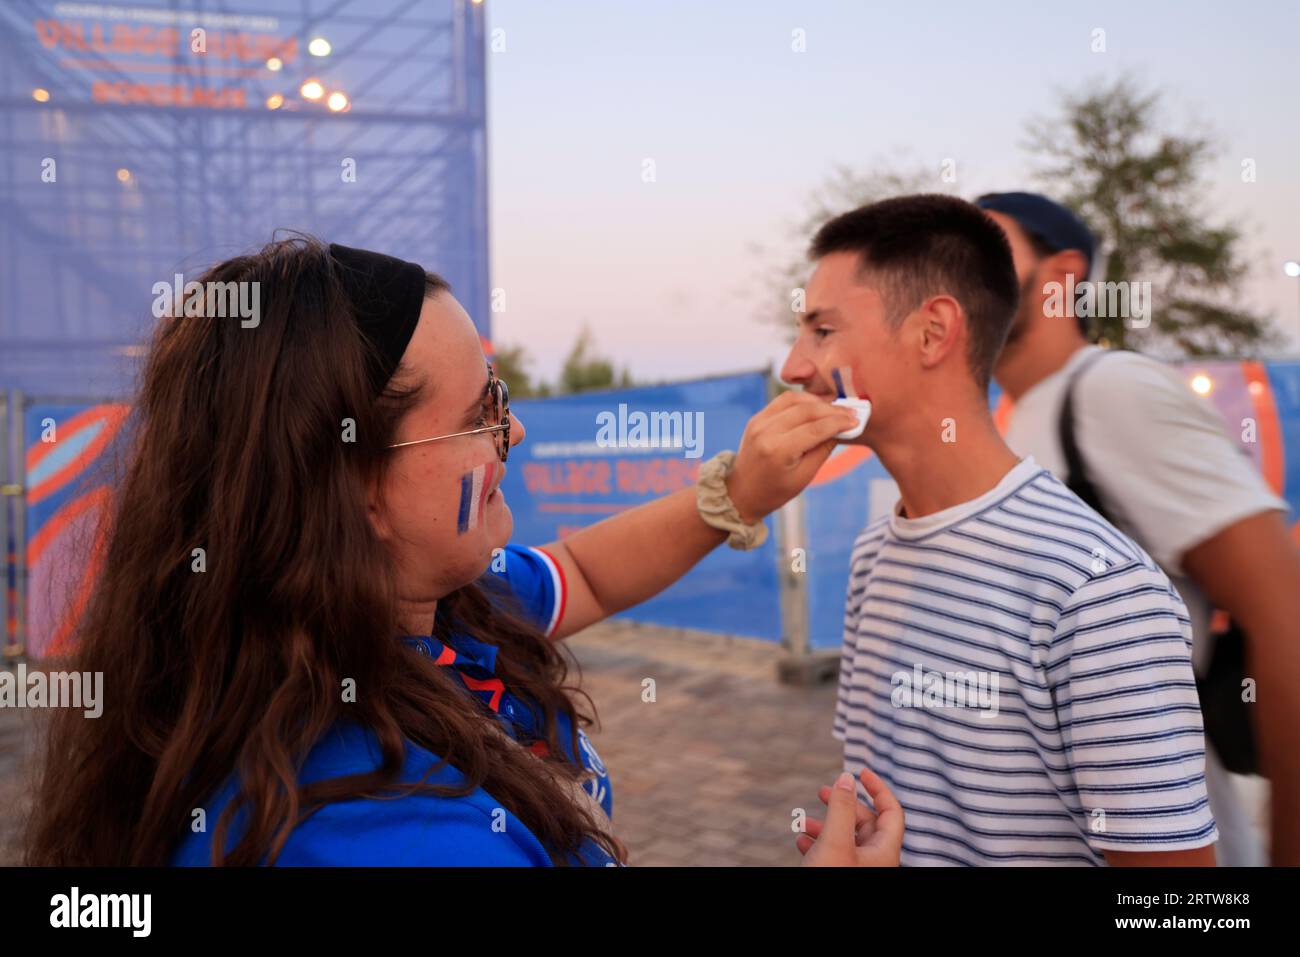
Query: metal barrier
x=12 y=525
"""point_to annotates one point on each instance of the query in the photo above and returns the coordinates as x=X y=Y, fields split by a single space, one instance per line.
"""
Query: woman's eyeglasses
x=499 y=396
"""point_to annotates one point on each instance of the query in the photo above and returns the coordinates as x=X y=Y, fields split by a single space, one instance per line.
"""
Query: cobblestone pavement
x=17 y=739
x=706 y=774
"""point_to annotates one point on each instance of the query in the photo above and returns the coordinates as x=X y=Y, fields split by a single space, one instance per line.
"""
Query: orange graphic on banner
x=112 y=416
x=119 y=49
x=1272 y=459
x=127 y=40
x=95 y=502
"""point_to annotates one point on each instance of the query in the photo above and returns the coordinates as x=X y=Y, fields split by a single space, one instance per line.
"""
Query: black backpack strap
x=1226 y=718
x=1076 y=474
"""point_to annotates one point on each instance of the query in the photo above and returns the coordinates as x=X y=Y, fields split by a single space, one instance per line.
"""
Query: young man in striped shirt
x=1014 y=668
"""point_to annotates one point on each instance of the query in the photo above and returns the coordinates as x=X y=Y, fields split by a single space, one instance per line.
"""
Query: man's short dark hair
x=931 y=244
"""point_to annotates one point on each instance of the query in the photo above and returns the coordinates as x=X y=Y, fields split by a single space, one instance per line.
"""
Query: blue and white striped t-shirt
x=1019 y=673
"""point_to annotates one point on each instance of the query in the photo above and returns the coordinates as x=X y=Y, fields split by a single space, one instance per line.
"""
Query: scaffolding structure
x=127 y=157
x=139 y=141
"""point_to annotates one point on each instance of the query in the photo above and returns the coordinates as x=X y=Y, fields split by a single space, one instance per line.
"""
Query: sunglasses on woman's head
x=499 y=397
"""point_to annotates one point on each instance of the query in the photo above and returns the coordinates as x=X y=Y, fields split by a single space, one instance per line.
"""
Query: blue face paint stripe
x=466 y=494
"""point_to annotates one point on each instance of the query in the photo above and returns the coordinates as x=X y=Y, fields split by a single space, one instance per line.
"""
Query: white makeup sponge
x=861 y=408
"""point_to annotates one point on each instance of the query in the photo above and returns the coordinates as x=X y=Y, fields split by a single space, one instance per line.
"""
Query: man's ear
x=939 y=324
x=1058 y=268
x=1066 y=262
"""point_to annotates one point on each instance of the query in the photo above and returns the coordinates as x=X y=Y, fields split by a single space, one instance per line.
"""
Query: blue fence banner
x=589 y=456
x=853 y=488
x=596 y=454
x=70 y=449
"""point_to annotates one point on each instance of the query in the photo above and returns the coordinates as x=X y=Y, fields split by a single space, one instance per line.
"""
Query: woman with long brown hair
x=318 y=646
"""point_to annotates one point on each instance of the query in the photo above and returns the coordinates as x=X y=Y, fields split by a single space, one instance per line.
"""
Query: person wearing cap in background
x=1159 y=464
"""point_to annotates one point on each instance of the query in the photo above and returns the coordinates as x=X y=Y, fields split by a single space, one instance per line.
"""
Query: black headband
x=386 y=295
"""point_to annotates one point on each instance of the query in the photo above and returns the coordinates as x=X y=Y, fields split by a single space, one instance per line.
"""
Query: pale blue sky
x=741 y=129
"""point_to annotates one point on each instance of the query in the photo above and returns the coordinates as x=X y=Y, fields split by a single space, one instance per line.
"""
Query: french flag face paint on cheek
x=847 y=395
x=844 y=385
x=475 y=487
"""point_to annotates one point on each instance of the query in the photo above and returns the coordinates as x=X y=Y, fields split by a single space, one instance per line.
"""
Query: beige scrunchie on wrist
x=717 y=509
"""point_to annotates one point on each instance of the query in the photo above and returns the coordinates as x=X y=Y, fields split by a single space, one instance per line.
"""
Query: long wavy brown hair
x=238 y=670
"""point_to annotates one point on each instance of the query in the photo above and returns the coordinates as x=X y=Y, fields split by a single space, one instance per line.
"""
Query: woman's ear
x=376 y=511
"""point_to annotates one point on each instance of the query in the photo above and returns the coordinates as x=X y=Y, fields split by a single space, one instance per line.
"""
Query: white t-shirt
x=1020 y=674
x=1157 y=454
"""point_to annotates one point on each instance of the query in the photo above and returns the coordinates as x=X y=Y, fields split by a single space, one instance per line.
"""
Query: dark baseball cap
x=1057 y=227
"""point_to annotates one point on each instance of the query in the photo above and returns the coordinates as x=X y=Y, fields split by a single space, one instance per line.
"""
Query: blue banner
x=587 y=457
x=853 y=488
x=69 y=454
x=590 y=456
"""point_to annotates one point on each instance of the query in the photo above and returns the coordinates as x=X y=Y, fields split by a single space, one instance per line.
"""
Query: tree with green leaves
x=584 y=371
x=1139 y=188
x=511 y=364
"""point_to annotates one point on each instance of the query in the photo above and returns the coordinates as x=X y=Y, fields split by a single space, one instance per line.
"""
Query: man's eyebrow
x=810 y=317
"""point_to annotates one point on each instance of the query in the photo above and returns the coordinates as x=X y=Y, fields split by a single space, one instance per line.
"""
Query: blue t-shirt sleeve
x=536 y=581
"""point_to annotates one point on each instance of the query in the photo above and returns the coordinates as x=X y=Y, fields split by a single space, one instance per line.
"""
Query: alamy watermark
x=56 y=689
x=653 y=430
x=946 y=689
x=1100 y=300
x=133 y=912
x=210 y=300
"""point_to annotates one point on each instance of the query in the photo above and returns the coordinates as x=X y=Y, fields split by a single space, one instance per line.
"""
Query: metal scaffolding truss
x=143 y=191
